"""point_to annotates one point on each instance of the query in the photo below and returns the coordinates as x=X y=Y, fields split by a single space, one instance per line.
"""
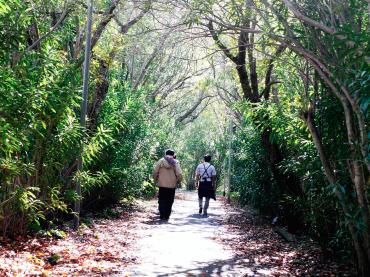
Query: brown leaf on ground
x=102 y=249
x=255 y=240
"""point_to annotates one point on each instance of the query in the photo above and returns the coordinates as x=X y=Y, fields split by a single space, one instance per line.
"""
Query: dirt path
x=229 y=242
x=186 y=244
x=135 y=243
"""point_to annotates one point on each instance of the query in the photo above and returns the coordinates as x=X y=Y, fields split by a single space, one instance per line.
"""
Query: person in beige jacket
x=167 y=174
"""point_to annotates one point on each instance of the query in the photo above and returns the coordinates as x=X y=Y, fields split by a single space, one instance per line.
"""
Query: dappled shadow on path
x=234 y=266
x=265 y=252
x=185 y=245
x=154 y=220
x=213 y=268
x=263 y=257
x=186 y=224
x=190 y=244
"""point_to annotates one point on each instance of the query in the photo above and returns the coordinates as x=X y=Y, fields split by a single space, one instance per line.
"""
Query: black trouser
x=166 y=197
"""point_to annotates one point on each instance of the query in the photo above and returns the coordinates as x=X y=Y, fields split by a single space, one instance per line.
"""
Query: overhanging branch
x=52 y=29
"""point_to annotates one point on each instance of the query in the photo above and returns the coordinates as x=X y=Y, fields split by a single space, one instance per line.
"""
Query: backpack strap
x=205 y=171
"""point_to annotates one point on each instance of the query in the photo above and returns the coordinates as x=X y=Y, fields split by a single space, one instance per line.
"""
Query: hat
x=169 y=152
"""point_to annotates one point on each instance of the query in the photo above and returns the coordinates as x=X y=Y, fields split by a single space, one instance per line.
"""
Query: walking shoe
x=200 y=210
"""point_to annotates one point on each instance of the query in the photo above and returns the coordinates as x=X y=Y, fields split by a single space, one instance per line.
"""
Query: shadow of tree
x=236 y=264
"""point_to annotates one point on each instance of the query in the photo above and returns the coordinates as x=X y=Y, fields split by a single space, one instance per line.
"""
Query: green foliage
x=40 y=135
x=148 y=189
x=126 y=159
x=195 y=140
x=91 y=181
x=41 y=139
x=251 y=176
x=37 y=134
x=53 y=259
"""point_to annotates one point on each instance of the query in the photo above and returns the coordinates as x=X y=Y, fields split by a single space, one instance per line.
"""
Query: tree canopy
x=290 y=77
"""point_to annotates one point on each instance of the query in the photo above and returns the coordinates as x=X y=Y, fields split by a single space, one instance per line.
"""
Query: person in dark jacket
x=205 y=177
x=167 y=173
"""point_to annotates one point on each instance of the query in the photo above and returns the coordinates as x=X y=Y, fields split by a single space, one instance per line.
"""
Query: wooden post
x=85 y=93
x=225 y=179
x=229 y=162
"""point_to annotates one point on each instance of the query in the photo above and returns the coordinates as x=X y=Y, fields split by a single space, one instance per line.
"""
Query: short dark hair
x=207 y=158
x=170 y=152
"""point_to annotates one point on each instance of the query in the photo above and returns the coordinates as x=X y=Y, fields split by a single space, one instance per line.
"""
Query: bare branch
x=193 y=108
x=216 y=38
x=125 y=27
x=193 y=117
x=310 y=21
x=108 y=15
x=52 y=29
x=268 y=82
x=146 y=65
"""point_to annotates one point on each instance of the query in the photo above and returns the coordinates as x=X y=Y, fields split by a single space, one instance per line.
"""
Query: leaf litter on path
x=268 y=254
x=99 y=250
x=109 y=246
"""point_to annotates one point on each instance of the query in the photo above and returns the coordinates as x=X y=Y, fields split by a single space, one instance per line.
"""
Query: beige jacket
x=166 y=175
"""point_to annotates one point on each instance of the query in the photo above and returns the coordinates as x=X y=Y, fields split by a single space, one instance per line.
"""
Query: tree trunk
x=361 y=248
x=100 y=92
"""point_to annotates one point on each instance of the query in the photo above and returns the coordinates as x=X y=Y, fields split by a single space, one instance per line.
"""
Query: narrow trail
x=186 y=245
x=229 y=242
